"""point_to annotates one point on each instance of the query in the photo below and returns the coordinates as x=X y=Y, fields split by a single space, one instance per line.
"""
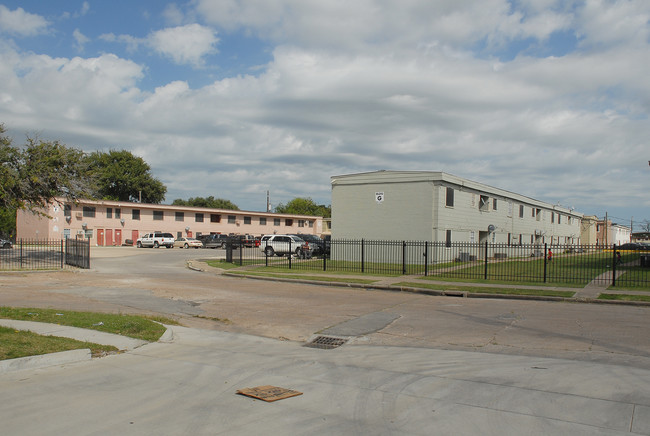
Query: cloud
x=362 y=86
x=187 y=44
x=21 y=23
x=184 y=45
x=80 y=39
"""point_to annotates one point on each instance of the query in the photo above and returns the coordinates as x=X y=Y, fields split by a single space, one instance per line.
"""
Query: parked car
x=631 y=246
x=188 y=242
x=282 y=244
x=218 y=240
x=5 y=243
x=316 y=244
x=156 y=240
x=246 y=240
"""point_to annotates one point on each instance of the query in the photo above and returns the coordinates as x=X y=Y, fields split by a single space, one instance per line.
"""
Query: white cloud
x=21 y=23
x=187 y=44
x=80 y=39
x=184 y=45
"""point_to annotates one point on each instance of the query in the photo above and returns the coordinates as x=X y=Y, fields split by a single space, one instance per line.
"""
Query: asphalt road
x=131 y=280
x=415 y=364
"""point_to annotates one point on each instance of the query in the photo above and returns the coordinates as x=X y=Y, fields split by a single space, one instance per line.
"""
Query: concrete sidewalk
x=189 y=386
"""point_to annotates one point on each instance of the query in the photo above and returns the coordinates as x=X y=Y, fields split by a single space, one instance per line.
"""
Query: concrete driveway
x=413 y=364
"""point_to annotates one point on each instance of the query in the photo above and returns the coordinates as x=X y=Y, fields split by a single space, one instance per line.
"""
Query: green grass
x=489 y=290
x=521 y=282
x=15 y=344
x=624 y=297
x=126 y=325
x=304 y=276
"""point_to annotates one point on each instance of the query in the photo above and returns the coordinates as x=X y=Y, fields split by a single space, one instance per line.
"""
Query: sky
x=234 y=98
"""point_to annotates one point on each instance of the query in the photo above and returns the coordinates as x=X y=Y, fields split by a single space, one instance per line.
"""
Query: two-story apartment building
x=114 y=222
x=609 y=233
x=435 y=206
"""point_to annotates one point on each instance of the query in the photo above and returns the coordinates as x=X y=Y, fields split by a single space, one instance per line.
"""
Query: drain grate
x=326 y=342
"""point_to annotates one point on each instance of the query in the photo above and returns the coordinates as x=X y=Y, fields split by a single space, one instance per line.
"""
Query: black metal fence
x=45 y=255
x=543 y=263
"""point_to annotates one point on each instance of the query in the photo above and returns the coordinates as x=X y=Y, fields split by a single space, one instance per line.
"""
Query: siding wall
x=405 y=211
x=414 y=208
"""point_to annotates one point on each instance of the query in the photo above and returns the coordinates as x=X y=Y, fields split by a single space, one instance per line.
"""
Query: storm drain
x=326 y=342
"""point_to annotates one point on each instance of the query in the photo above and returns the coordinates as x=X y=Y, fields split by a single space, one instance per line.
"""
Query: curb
x=45 y=360
x=443 y=293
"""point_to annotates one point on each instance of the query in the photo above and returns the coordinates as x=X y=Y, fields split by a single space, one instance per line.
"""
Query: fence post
x=426 y=258
x=485 y=274
x=241 y=253
x=325 y=256
x=403 y=257
x=62 y=255
x=545 y=251
x=290 y=253
x=614 y=267
x=21 y=254
x=362 y=257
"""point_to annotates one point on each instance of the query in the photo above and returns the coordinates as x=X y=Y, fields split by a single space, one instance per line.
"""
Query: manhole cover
x=326 y=342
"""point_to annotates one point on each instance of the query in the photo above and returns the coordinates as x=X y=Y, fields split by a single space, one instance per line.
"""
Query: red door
x=109 y=237
x=189 y=233
x=100 y=237
x=134 y=236
x=118 y=237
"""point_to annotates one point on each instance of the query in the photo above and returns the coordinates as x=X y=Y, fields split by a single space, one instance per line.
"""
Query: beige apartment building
x=112 y=223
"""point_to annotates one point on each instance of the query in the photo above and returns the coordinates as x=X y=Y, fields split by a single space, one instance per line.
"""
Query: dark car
x=631 y=246
x=317 y=245
x=5 y=243
x=218 y=241
x=246 y=240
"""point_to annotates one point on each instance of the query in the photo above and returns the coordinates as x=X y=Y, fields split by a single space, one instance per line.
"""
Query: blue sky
x=231 y=98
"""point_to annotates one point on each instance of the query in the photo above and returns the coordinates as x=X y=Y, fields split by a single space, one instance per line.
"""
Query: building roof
x=174 y=207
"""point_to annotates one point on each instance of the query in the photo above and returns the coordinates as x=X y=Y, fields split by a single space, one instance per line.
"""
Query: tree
x=304 y=206
x=121 y=176
x=33 y=176
x=209 y=202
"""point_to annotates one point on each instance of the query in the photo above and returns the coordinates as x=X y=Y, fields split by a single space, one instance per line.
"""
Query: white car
x=281 y=245
x=188 y=243
x=155 y=240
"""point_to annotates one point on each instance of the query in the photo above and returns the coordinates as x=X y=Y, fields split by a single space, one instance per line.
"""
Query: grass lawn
x=624 y=297
x=305 y=276
x=15 y=344
x=19 y=344
x=489 y=290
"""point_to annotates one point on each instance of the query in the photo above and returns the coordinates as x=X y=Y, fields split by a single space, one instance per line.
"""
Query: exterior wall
x=609 y=233
x=588 y=234
x=620 y=234
x=380 y=211
x=110 y=227
x=415 y=208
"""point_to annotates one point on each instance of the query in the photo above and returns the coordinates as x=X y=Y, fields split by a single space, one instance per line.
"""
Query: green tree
x=7 y=223
x=36 y=174
x=209 y=202
x=121 y=176
x=304 y=206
